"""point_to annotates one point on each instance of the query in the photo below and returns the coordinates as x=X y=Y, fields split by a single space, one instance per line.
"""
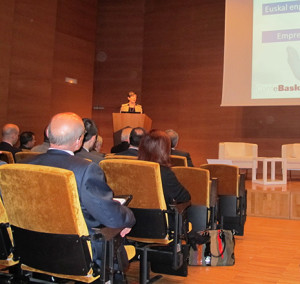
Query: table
x=265 y=161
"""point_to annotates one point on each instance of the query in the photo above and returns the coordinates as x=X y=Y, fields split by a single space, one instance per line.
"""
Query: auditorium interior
x=84 y=56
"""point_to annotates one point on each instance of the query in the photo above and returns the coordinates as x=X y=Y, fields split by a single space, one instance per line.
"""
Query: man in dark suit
x=91 y=132
x=135 y=138
x=174 y=141
x=10 y=136
x=65 y=133
x=124 y=145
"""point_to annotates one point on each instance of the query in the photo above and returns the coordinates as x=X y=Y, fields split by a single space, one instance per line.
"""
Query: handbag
x=218 y=251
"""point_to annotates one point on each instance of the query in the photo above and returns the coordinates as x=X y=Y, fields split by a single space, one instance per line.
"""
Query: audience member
x=124 y=145
x=98 y=145
x=27 y=140
x=42 y=148
x=136 y=135
x=174 y=141
x=66 y=132
x=10 y=135
x=155 y=146
x=91 y=132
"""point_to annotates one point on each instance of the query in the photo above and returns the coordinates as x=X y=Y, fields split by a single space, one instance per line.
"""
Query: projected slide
x=276 y=49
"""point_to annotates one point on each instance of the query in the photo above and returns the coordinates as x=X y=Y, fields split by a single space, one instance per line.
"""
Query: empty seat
x=203 y=193
x=232 y=205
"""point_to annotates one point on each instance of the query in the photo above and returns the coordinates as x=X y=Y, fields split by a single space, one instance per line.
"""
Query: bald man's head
x=10 y=133
x=65 y=130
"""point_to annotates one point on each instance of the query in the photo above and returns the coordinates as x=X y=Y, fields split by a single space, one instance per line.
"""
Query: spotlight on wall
x=71 y=80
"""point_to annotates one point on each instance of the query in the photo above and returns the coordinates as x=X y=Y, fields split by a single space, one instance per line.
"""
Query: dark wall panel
x=118 y=65
x=42 y=42
x=6 y=31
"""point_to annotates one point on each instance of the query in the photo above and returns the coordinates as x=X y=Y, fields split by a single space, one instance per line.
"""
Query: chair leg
x=144 y=267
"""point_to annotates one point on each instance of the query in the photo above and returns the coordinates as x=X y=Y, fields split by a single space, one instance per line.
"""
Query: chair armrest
x=180 y=207
x=107 y=233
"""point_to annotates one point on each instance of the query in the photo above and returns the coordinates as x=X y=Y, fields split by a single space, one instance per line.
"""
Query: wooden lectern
x=122 y=120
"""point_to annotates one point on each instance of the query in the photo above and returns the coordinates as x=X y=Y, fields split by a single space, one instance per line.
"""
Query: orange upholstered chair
x=49 y=231
x=152 y=235
x=7 y=157
x=24 y=155
x=203 y=191
x=232 y=194
x=178 y=161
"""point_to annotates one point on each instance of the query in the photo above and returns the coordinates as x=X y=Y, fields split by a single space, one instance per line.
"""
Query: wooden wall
x=42 y=42
x=169 y=52
x=176 y=49
x=118 y=61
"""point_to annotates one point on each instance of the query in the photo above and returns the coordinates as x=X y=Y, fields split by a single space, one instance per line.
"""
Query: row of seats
x=8 y=157
x=48 y=235
x=242 y=154
x=218 y=197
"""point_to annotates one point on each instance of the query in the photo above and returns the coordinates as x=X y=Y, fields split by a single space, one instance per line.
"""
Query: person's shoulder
x=180 y=153
x=125 y=105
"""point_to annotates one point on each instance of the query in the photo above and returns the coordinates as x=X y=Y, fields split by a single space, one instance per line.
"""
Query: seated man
x=43 y=148
x=135 y=138
x=174 y=141
x=27 y=141
x=91 y=132
x=10 y=136
x=98 y=145
x=124 y=145
x=65 y=133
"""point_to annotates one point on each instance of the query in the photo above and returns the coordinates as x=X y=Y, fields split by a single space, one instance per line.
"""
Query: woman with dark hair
x=131 y=106
x=155 y=146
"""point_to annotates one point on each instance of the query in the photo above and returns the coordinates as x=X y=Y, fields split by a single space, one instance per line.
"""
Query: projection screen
x=261 y=53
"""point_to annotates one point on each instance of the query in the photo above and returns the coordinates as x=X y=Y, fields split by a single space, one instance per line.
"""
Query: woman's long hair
x=155 y=146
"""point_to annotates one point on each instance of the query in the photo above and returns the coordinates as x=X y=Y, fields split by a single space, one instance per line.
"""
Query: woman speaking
x=131 y=106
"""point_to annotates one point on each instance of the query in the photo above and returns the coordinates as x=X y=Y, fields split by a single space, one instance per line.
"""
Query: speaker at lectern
x=123 y=120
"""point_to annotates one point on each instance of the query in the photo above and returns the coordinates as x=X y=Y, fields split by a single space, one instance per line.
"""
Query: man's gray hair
x=173 y=136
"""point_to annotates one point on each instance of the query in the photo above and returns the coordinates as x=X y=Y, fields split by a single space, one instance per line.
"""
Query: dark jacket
x=184 y=154
x=7 y=147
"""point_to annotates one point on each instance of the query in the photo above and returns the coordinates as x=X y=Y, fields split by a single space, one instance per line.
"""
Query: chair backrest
x=121 y=157
x=228 y=178
x=289 y=151
x=203 y=191
x=7 y=157
x=140 y=178
x=178 y=161
x=43 y=207
x=24 y=155
x=197 y=182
